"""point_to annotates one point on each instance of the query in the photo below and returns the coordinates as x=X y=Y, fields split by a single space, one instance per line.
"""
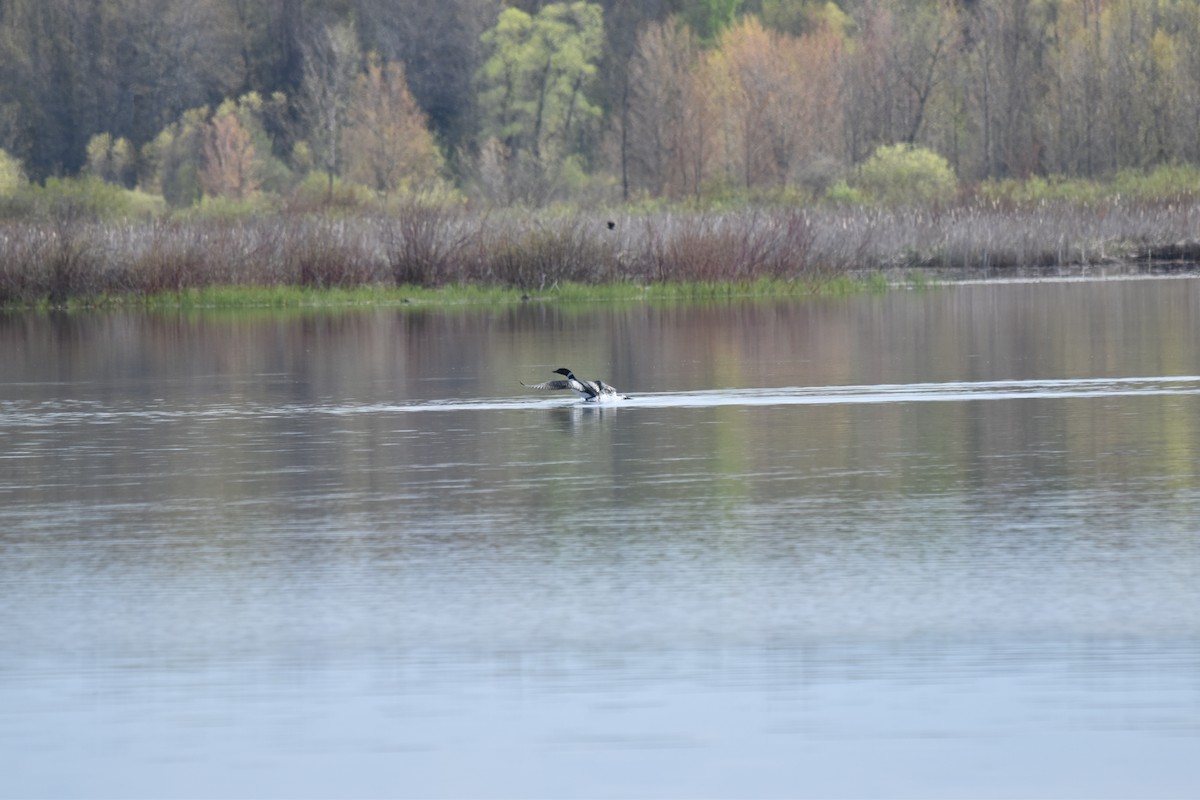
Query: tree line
x=527 y=101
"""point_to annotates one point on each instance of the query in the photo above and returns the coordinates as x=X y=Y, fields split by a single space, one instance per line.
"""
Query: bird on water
x=596 y=391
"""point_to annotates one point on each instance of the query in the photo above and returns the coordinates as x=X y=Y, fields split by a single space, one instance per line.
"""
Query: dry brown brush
x=54 y=262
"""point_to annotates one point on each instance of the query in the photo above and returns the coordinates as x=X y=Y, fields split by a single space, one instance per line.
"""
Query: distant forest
x=534 y=102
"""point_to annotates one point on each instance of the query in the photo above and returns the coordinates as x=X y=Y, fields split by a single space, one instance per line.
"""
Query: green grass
x=232 y=297
x=298 y=297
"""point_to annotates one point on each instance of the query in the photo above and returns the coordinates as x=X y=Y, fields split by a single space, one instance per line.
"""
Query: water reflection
x=866 y=546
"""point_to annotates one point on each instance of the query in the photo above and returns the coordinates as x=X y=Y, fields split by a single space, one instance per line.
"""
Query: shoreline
x=282 y=298
x=1080 y=273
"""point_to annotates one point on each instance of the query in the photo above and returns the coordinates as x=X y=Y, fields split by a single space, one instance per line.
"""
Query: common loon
x=595 y=391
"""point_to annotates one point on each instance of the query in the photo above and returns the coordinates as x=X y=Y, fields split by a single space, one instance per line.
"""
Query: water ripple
x=18 y=414
x=838 y=395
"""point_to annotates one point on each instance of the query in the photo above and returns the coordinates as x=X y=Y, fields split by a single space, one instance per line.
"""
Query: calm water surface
x=921 y=544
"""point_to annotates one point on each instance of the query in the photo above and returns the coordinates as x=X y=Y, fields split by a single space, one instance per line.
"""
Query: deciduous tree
x=438 y=42
x=1006 y=68
x=667 y=121
x=112 y=160
x=331 y=63
x=779 y=101
x=231 y=165
x=387 y=143
x=904 y=55
x=534 y=89
x=173 y=160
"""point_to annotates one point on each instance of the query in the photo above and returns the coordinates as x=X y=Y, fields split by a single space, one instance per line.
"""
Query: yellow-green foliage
x=536 y=95
x=317 y=191
x=230 y=208
x=1169 y=183
x=112 y=160
x=314 y=194
x=1037 y=190
x=1166 y=184
x=798 y=17
x=721 y=194
x=903 y=175
x=12 y=177
x=87 y=198
x=173 y=160
x=841 y=194
x=438 y=193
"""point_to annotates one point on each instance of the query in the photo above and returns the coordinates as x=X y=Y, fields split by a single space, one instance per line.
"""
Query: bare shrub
x=425 y=245
x=324 y=254
x=171 y=257
x=727 y=247
x=70 y=266
x=542 y=255
x=699 y=249
x=788 y=251
x=23 y=247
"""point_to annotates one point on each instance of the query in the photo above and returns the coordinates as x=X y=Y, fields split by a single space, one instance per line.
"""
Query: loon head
x=564 y=372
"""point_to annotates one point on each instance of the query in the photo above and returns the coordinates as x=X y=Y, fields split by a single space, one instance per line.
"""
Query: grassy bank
x=438 y=255
x=410 y=296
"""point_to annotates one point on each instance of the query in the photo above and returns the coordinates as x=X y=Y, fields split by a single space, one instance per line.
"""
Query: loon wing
x=548 y=385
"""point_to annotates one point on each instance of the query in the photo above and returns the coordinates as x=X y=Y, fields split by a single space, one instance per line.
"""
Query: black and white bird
x=596 y=391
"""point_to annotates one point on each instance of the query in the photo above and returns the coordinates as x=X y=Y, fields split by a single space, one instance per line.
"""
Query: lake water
x=920 y=544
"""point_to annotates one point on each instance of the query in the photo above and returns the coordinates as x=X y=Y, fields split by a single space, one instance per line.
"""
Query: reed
x=528 y=254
